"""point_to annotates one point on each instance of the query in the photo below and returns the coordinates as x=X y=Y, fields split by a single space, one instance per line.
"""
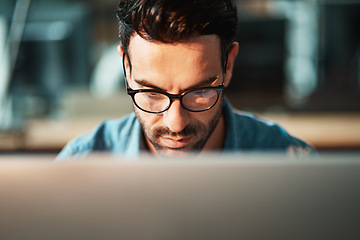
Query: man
x=178 y=56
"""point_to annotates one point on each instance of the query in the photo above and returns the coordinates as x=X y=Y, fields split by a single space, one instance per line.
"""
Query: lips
x=175 y=142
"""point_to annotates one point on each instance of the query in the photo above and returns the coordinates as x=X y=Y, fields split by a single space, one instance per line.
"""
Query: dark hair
x=173 y=21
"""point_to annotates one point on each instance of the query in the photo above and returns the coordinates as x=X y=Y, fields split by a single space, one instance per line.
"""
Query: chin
x=177 y=153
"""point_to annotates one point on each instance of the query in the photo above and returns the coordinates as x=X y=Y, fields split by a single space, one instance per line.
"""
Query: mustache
x=187 y=131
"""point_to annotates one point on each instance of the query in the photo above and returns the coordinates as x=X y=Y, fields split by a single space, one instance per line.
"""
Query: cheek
x=207 y=116
x=148 y=120
x=202 y=117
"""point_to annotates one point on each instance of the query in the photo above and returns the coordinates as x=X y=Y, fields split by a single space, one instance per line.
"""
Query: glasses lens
x=200 y=100
x=152 y=101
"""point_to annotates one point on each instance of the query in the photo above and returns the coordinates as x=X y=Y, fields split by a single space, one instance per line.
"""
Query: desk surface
x=323 y=131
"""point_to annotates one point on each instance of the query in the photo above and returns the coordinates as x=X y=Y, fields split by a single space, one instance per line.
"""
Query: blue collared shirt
x=244 y=133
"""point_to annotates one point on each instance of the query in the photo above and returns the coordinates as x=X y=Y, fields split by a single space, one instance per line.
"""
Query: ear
x=121 y=52
x=233 y=51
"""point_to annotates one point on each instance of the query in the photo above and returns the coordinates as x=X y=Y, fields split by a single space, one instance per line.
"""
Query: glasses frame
x=132 y=92
x=172 y=97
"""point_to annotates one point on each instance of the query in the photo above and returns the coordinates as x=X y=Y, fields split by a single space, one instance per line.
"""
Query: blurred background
x=60 y=74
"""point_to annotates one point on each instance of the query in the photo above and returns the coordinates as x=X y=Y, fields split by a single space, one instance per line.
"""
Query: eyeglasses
x=197 y=100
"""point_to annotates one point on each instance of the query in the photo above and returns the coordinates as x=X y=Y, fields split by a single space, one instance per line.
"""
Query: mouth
x=175 y=143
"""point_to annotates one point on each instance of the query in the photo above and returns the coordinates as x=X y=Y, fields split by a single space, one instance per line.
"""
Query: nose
x=176 y=118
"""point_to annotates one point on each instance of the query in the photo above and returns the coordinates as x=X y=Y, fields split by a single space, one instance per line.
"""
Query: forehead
x=197 y=42
x=185 y=62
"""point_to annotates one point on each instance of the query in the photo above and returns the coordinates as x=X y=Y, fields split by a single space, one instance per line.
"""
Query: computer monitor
x=238 y=196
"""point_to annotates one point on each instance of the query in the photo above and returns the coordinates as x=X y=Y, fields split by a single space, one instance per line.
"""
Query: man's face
x=176 y=68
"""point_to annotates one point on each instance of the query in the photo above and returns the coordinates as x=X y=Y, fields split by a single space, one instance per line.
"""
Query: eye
x=200 y=92
x=154 y=96
x=204 y=93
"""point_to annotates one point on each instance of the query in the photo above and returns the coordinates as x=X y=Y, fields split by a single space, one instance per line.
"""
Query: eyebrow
x=204 y=83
